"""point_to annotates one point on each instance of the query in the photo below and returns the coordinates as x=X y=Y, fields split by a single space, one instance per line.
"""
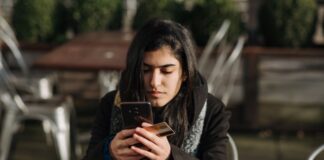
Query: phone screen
x=135 y=113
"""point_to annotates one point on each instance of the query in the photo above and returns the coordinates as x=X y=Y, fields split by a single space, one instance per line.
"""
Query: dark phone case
x=135 y=113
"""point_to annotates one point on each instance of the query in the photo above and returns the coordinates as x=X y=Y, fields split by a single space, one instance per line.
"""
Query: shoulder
x=216 y=125
x=107 y=101
x=109 y=97
x=217 y=117
x=216 y=110
x=214 y=104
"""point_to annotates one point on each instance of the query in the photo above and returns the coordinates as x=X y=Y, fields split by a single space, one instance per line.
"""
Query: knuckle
x=123 y=133
x=127 y=142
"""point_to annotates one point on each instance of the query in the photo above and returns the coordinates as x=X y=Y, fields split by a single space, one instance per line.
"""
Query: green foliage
x=93 y=15
x=148 y=9
x=287 y=23
x=116 y=20
x=208 y=15
x=62 y=22
x=205 y=17
x=33 y=19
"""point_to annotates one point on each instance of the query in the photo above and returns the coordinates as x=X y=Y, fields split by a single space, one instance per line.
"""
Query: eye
x=166 y=71
x=146 y=69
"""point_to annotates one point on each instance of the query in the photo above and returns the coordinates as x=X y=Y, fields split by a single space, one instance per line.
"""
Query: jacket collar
x=200 y=93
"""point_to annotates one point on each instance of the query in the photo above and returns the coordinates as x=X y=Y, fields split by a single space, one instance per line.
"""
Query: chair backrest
x=213 y=41
x=225 y=71
x=8 y=94
x=227 y=63
x=8 y=37
x=233 y=146
x=6 y=27
x=316 y=152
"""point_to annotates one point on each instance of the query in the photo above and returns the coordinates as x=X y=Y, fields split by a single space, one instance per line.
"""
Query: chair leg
x=62 y=133
x=47 y=129
x=62 y=145
x=8 y=130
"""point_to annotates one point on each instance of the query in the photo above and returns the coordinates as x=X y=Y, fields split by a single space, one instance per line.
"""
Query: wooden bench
x=251 y=59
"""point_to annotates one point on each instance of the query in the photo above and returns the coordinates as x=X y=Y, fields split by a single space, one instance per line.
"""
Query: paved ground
x=30 y=144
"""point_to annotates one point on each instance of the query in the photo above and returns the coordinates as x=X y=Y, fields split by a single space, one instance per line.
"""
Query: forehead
x=161 y=56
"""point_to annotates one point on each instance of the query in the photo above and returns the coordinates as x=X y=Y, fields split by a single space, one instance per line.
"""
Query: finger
x=144 y=153
x=146 y=134
x=145 y=124
x=130 y=141
x=126 y=143
x=146 y=143
x=121 y=138
x=125 y=133
x=126 y=152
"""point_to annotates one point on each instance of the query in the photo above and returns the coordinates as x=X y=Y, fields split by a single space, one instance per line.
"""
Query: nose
x=155 y=80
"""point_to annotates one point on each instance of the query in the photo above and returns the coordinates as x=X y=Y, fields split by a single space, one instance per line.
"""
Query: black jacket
x=213 y=142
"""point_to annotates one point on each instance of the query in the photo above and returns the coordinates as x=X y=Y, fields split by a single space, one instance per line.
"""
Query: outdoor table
x=103 y=53
x=90 y=51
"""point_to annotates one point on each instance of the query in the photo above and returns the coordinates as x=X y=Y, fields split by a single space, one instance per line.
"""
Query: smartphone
x=135 y=113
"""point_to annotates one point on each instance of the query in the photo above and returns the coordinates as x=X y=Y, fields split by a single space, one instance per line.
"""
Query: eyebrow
x=162 y=66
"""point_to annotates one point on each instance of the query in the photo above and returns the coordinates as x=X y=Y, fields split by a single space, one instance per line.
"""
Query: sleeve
x=106 y=153
x=100 y=129
x=213 y=143
x=214 y=139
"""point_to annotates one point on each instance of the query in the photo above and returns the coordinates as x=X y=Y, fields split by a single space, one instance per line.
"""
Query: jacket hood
x=200 y=93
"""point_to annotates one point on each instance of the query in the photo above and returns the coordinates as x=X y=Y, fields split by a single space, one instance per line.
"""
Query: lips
x=155 y=94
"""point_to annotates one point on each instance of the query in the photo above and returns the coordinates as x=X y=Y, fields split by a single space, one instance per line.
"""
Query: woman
x=161 y=68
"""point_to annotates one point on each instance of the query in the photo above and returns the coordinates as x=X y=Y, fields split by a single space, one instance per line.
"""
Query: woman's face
x=162 y=76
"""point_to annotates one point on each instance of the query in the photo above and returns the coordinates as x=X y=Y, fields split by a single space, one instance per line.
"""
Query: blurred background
x=263 y=58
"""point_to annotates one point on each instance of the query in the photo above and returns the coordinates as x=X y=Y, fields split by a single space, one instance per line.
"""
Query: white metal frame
x=56 y=114
x=316 y=152
x=226 y=63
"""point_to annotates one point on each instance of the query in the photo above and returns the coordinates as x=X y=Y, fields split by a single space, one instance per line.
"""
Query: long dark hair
x=152 y=36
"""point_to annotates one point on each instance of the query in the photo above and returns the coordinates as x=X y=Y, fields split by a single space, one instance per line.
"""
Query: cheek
x=146 y=81
x=175 y=83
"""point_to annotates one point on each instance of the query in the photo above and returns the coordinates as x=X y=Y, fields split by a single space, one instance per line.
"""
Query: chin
x=158 y=103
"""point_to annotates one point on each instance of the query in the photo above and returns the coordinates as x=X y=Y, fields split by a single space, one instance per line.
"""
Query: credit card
x=160 y=129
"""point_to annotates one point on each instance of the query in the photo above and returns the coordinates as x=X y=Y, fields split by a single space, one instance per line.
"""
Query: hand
x=159 y=147
x=120 y=146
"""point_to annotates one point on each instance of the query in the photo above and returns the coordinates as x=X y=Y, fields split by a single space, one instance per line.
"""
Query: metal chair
x=316 y=152
x=224 y=72
x=227 y=63
x=40 y=85
x=57 y=112
x=108 y=81
x=216 y=39
x=8 y=36
x=231 y=66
